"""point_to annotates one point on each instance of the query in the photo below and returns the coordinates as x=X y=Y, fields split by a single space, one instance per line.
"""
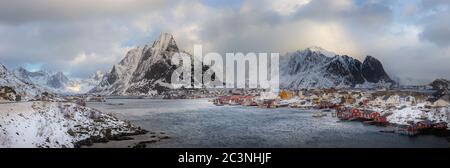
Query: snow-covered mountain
x=57 y=82
x=25 y=89
x=147 y=70
x=42 y=78
x=144 y=70
x=317 y=68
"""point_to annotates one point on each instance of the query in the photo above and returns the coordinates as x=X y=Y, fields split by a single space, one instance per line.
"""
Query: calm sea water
x=199 y=123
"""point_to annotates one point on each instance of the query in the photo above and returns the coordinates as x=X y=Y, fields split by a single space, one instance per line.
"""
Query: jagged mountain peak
x=320 y=50
x=144 y=70
x=98 y=75
x=165 y=42
x=311 y=68
x=371 y=59
x=58 y=80
x=373 y=70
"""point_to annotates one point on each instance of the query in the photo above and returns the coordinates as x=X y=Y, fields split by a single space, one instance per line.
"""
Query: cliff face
x=373 y=71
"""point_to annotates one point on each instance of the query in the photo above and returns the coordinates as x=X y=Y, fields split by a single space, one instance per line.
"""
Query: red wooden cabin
x=374 y=115
x=425 y=124
x=381 y=120
x=440 y=125
x=356 y=113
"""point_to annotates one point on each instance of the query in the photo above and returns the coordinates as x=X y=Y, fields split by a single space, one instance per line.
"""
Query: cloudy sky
x=410 y=37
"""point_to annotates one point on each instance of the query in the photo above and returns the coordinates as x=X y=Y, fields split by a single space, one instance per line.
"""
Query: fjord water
x=199 y=123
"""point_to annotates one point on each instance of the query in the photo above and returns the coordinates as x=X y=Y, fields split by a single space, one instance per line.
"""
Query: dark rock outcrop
x=440 y=84
x=373 y=70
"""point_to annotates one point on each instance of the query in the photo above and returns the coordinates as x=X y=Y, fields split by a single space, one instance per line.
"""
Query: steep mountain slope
x=318 y=68
x=144 y=70
x=22 y=88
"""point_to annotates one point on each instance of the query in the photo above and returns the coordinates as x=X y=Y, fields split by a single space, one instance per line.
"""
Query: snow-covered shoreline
x=413 y=114
x=43 y=124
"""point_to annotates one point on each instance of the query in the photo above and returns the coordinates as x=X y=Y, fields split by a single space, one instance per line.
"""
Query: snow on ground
x=54 y=124
x=416 y=113
x=404 y=115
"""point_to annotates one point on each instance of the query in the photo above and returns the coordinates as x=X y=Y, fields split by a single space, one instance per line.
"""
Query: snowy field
x=199 y=123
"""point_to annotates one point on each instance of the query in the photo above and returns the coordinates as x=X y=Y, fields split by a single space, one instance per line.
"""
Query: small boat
x=319 y=114
x=282 y=104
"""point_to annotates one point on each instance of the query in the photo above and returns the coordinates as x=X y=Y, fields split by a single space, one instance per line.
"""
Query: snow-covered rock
x=55 y=125
x=317 y=68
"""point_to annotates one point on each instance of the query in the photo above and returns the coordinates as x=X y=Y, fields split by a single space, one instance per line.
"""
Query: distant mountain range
x=147 y=70
x=315 y=67
x=57 y=82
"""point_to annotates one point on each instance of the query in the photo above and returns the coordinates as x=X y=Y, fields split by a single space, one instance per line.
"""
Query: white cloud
x=287 y=7
x=81 y=58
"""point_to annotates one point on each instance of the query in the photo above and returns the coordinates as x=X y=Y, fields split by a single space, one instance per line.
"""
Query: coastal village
x=404 y=112
x=408 y=112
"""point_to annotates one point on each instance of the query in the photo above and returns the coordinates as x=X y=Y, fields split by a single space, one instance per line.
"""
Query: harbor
x=200 y=123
